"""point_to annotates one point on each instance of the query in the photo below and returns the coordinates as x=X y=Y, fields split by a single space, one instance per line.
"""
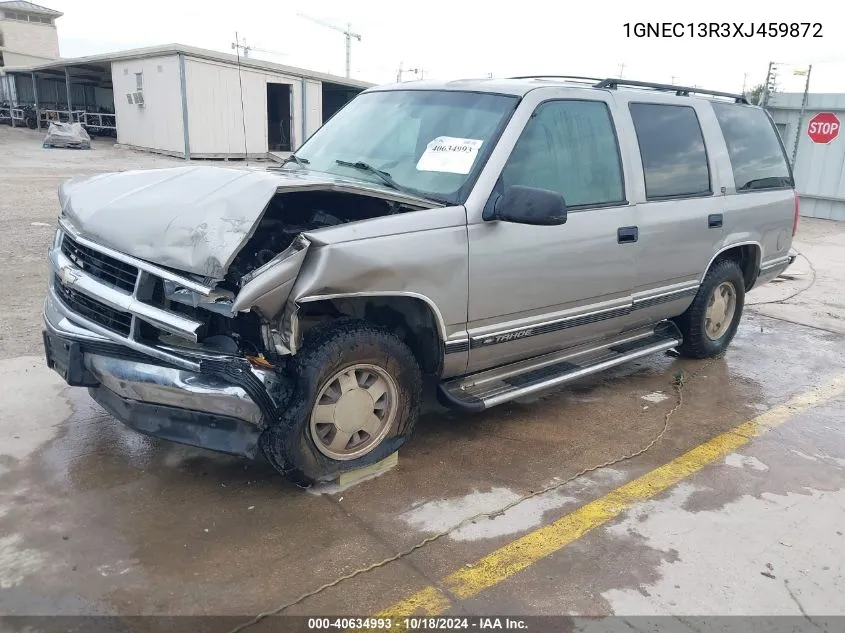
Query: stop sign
x=824 y=127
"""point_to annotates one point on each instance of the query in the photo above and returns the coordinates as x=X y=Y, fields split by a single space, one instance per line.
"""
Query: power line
x=246 y=49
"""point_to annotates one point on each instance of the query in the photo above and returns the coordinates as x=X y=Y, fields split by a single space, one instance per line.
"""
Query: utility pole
x=241 y=49
x=770 y=85
x=744 y=80
x=346 y=32
x=674 y=77
x=621 y=70
x=801 y=114
x=416 y=71
x=399 y=74
x=349 y=35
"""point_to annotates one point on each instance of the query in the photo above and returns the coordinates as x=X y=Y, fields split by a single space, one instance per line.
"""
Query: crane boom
x=347 y=32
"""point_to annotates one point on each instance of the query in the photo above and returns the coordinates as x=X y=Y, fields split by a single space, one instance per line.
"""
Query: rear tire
x=356 y=400
x=710 y=323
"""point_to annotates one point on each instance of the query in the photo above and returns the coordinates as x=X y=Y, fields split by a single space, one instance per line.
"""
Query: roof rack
x=575 y=77
x=681 y=91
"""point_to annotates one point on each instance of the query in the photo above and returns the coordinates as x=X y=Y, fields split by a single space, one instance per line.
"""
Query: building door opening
x=335 y=97
x=278 y=117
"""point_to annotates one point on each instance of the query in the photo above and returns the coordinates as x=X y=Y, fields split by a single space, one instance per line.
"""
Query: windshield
x=430 y=143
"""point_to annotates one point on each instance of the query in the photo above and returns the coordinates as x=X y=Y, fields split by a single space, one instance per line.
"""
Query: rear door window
x=672 y=150
x=757 y=155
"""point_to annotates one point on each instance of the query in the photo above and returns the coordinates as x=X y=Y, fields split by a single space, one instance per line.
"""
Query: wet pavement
x=97 y=519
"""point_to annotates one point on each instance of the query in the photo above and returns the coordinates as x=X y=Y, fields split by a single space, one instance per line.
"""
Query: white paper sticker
x=449 y=154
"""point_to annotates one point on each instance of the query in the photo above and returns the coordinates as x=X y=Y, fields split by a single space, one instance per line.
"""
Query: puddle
x=836 y=460
x=31 y=406
x=742 y=461
x=16 y=561
x=768 y=534
x=119 y=568
x=436 y=516
x=802 y=455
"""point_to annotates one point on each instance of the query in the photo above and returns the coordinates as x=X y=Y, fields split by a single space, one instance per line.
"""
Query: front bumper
x=205 y=409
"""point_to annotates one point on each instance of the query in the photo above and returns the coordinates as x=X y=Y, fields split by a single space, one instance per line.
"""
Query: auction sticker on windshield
x=449 y=154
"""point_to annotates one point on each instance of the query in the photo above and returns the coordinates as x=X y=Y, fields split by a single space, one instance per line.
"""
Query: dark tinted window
x=569 y=147
x=757 y=156
x=672 y=150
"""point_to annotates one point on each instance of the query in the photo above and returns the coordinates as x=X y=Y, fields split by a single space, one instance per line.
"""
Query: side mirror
x=530 y=205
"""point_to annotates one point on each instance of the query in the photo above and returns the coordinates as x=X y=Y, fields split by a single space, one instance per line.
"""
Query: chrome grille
x=114 y=320
x=98 y=288
x=107 y=269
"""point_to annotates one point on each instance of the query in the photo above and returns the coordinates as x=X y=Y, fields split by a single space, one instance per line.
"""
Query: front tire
x=356 y=400
x=710 y=323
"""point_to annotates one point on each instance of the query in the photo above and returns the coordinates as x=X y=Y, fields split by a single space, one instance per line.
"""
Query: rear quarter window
x=758 y=158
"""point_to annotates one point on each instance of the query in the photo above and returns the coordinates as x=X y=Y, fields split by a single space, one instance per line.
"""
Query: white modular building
x=186 y=101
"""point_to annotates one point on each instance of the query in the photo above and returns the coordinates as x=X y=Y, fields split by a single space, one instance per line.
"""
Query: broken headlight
x=219 y=301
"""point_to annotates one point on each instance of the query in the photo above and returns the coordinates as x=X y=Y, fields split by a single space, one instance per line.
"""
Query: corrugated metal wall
x=52 y=93
x=819 y=168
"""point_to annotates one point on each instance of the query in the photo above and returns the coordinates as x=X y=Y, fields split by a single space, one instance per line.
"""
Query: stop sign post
x=823 y=127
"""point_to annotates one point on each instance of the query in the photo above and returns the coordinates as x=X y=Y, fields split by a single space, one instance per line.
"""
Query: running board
x=488 y=388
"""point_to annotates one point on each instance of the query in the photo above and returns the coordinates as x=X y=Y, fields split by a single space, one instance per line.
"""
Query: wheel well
x=411 y=319
x=748 y=258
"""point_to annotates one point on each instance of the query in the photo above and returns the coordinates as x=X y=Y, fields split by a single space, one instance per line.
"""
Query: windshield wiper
x=386 y=179
x=293 y=158
x=766 y=183
x=383 y=175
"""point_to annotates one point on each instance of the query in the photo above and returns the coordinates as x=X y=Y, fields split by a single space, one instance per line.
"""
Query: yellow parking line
x=526 y=550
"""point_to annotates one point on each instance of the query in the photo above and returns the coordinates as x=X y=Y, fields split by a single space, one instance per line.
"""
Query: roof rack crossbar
x=575 y=77
x=681 y=91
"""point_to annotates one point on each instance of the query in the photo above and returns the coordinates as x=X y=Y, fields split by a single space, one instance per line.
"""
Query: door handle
x=714 y=220
x=627 y=234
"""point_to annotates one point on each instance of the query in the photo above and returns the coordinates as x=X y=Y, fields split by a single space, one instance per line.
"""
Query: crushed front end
x=171 y=292
x=160 y=350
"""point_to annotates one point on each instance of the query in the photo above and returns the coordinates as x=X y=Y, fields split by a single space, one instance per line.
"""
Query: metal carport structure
x=65 y=90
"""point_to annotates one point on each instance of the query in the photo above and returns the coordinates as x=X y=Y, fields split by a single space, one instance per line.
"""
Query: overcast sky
x=471 y=38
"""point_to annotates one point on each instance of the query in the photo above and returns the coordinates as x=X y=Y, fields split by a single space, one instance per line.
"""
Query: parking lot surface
x=737 y=506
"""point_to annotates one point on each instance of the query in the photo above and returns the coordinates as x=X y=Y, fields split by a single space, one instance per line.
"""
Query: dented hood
x=193 y=219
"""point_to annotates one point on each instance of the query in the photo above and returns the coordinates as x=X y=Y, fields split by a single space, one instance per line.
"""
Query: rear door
x=760 y=202
x=675 y=144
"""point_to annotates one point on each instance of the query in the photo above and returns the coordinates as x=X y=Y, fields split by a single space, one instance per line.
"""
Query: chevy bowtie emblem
x=68 y=275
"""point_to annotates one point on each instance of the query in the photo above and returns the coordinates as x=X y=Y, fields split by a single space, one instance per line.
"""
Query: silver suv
x=502 y=236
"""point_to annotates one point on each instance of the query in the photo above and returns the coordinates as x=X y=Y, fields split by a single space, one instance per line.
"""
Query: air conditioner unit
x=139 y=98
x=129 y=98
